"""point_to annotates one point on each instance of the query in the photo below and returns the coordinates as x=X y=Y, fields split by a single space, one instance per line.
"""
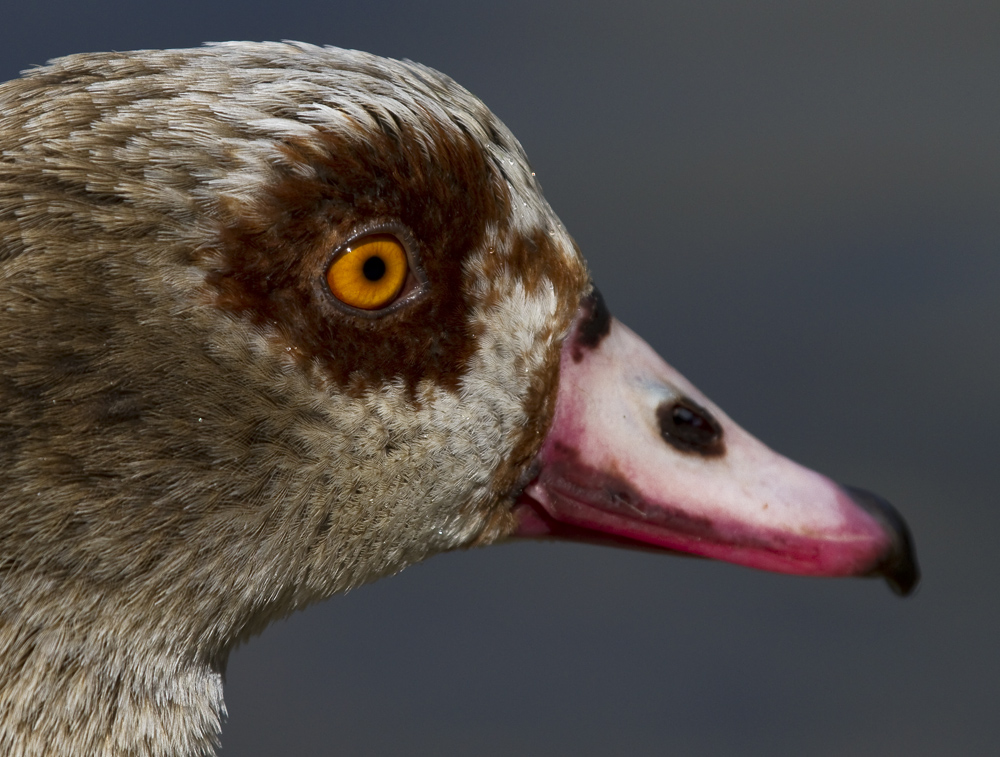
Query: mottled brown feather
x=194 y=439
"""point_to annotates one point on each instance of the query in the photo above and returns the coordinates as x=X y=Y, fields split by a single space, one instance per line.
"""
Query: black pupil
x=374 y=268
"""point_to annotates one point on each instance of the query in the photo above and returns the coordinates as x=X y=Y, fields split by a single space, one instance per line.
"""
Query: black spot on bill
x=689 y=427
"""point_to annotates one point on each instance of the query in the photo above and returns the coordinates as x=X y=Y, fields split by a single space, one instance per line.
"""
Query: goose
x=279 y=320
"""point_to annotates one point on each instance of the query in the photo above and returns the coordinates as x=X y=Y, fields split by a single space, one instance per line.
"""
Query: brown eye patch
x=269 y=265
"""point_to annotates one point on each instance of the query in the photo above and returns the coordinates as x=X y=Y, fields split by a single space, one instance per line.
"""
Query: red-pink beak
x=637 y=455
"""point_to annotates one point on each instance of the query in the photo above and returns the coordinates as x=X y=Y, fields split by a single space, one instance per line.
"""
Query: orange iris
x=370 y=273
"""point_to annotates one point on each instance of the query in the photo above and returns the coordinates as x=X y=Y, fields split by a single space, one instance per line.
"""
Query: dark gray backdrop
x=797 y=205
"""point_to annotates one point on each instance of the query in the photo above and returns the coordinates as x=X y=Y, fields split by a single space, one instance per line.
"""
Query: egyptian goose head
x=279 y=320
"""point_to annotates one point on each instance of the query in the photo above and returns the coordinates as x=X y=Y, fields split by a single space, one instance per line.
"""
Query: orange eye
x=370 y=274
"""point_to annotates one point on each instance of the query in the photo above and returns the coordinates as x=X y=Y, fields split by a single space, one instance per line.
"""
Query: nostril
x=689 y=427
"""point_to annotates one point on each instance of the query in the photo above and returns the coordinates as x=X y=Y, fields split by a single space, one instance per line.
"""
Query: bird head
x=279 y=320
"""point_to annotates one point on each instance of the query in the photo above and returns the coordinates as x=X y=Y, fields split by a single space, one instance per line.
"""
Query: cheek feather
x=524 y=310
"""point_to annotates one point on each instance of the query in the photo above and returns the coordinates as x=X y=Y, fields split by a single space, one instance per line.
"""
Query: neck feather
x=67 y=691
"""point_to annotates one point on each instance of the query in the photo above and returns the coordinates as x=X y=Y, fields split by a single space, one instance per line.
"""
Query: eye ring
x=374 y=273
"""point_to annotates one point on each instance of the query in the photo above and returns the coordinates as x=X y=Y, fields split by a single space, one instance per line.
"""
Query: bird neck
x=100 y=690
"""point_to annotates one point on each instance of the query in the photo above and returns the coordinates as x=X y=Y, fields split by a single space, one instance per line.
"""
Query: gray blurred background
x=798 y=205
